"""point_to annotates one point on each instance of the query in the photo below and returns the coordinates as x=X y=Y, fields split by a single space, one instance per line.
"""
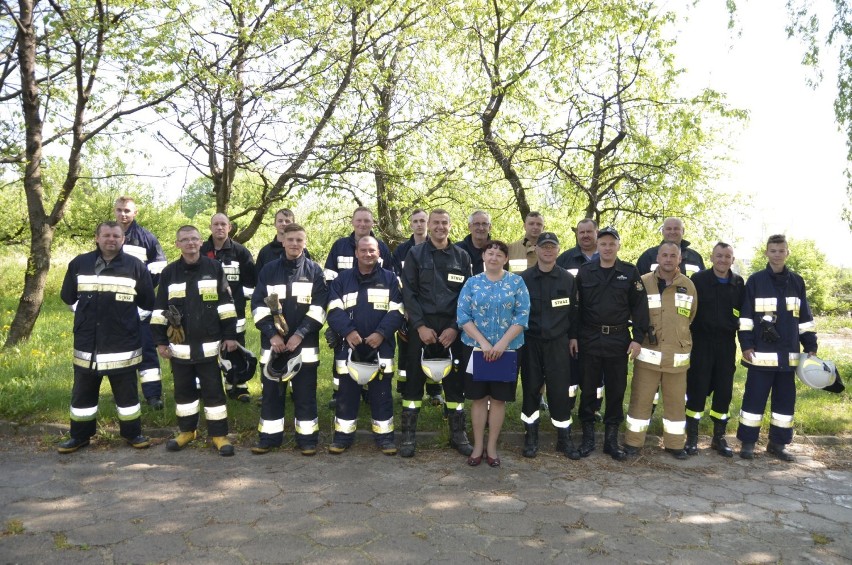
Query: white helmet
x=436 y=369
x=363 y=371
x=815 y=372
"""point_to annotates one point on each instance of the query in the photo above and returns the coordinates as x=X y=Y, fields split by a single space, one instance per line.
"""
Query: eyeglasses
x=190 y=240
x=481 y=224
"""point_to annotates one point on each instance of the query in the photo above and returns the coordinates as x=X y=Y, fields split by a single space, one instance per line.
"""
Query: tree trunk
x=35 y=277
x=388 y=213
x=503 y=161
x=38 y=262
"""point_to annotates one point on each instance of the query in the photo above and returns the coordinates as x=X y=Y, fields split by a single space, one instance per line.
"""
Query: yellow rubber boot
x=222 y=445
x=179 y=442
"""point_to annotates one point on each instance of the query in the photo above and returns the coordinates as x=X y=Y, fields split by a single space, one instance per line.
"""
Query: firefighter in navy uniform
x=302 y=296
x=239 y=270
x=193 y=319
x=432 y=279
x=690 y=260
x=106 y=288
x=586 y=250
x=143 y=245
x=417 y=221
x=365 y=310
x=275 y=248
x=613 y=304
x=714 y=349
x=545 y=357
x=479 y=226
x=341 y=256
x=774 y=320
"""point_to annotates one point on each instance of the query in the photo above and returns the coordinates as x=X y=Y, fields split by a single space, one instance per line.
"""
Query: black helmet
x=238 y=365
x=283 y=366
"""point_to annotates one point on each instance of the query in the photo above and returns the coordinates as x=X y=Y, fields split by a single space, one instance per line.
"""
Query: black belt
x=606 y=330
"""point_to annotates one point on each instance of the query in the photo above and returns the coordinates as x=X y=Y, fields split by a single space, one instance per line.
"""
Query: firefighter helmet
x=815 y=372
x=363 y=369
x=238 y=365
x=283 y=366
x=436 y=368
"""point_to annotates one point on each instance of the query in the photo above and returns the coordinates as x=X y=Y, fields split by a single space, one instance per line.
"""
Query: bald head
x=220 y=227
x=673 y=230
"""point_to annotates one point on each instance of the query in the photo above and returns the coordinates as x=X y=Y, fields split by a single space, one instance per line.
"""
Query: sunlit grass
x=36 y=379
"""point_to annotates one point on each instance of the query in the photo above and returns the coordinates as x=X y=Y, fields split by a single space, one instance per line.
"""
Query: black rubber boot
x=691 y=445
x=530 y=439
x=565 y=445
x=747 y=450
x=588 y=444
x=611 y=446
x=718 y=442
x=458 y=433
x=779 y=450
x=408 y=420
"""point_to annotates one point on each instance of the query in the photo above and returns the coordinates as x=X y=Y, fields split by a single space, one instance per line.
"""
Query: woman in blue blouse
x=493 y=311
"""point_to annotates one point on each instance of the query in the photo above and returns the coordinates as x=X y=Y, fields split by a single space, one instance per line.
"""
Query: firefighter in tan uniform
x=664 y=359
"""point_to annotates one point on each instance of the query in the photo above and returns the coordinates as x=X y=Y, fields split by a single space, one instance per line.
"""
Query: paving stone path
x=112 y=504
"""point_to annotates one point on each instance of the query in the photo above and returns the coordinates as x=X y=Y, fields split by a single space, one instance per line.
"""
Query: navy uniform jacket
x=553 y=303
x=781 y=295
x=616 y=299
x=342 y=256
x=302 y=293
x=143 y=245
x=239 y=270
x=366 y=304
x=106 y=316
x=200 y=293
x=431 y=291
x=399 y=254
x=272 y=251
x=690 y=260
x=476 y=262
x=573 y=259
x=719 y=306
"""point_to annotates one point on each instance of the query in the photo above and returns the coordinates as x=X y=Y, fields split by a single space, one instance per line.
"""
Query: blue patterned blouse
x=494 y=306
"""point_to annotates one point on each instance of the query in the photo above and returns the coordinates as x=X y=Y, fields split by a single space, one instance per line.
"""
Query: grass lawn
x=36 y=379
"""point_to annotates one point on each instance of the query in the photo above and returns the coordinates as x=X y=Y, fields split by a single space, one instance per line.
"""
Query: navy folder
x=504 y=369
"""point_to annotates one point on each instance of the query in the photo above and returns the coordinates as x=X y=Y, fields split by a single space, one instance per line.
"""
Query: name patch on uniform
x=233 y=277
x=556 y=302
x=736 y=313
x=209 y=294
x=123 y=297
x=379 y=298
x=684 y=311
x=302 y=292
x=455 y=278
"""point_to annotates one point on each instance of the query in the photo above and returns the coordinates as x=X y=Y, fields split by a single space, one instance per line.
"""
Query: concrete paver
x=112 y=504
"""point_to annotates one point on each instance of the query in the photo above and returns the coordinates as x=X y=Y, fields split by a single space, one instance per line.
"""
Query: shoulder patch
x=639 y=286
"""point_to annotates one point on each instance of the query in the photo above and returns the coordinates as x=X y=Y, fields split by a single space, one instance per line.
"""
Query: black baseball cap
x=609 y=230
x=547 y=237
